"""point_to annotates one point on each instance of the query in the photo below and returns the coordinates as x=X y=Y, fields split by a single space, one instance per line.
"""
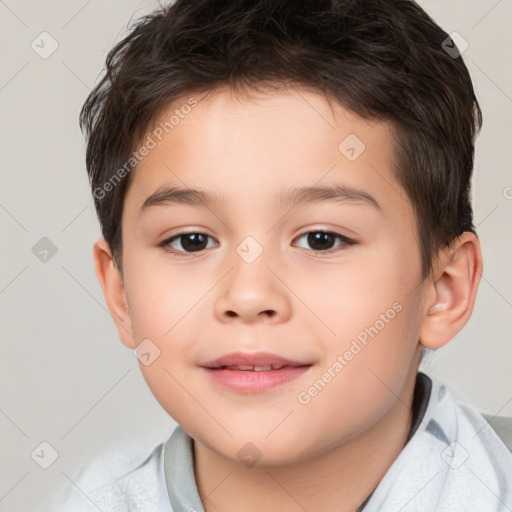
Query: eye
x=195 y=241
x=322 y=241
x=191 y=242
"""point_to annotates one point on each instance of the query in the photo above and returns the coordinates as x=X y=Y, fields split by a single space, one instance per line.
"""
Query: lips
x=258 y=361
x=254 y=373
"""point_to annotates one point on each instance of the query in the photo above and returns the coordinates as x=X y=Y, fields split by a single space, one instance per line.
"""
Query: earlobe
x=111 y=283
x=454 y=285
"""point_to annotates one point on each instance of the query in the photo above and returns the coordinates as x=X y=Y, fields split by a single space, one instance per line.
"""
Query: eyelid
x=166 y=241
x=346 y=241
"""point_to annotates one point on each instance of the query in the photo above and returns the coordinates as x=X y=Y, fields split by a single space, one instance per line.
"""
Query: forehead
x=251 y=148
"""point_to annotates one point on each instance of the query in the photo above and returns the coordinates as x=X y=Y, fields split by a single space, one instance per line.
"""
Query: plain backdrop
x=65 y=378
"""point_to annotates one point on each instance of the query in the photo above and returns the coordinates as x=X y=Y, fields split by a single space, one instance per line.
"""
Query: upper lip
x=251 y=359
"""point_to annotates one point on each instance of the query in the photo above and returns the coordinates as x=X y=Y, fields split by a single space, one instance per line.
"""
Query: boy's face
x=256 y=283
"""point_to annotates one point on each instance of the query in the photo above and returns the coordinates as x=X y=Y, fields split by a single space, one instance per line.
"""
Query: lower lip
x=254 y=382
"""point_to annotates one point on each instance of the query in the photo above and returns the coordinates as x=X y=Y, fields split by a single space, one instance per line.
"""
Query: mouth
x=252 y=368
x=256 y=361
x=254 y=373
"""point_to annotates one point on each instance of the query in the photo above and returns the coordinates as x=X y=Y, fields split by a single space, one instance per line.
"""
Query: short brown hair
x=382 y=59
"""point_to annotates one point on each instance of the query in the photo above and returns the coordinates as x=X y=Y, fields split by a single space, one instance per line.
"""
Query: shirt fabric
x=452 y=461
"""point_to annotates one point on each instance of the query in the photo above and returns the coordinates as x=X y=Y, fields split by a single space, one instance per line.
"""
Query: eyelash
x=165 y=244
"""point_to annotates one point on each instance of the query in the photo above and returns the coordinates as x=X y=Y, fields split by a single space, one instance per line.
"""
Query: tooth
x=250 y=367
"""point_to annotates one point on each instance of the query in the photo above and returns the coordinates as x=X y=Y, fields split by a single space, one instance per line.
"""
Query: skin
x=308 y=306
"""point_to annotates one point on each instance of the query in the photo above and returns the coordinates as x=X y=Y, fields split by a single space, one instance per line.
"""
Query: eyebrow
x=297 y=196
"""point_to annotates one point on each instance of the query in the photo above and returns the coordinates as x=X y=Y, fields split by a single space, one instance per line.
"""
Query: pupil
x=196 y=242
x=317 y=240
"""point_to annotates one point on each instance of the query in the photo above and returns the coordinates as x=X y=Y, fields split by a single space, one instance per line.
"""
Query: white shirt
x=453 y=462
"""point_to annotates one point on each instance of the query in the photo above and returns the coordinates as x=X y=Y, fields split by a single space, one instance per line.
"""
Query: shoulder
x=465 y=449
x=459 y=427
x=454 y=461
x=129 y=482
x=462 y=420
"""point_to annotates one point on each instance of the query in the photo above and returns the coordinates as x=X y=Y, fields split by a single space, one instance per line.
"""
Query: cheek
x=352 y=297
x=161 y=298
x=375 y=322
x=164 y=308
x=360 y=380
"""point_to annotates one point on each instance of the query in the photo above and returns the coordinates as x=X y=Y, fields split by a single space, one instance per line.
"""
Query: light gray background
x=65 y=378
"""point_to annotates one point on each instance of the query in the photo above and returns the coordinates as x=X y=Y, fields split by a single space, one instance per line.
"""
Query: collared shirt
x=452 y=461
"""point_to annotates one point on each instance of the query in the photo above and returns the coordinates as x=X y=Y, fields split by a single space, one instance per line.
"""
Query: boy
x=226 y=141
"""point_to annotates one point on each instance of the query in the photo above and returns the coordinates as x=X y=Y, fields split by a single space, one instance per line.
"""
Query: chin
x=258 y=451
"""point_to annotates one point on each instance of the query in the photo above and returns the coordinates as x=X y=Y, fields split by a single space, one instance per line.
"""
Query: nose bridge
x=251 y=288
x=250 y=260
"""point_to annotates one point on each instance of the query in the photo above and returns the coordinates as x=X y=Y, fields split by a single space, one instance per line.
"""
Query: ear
x=453 y=287
x=112 y=284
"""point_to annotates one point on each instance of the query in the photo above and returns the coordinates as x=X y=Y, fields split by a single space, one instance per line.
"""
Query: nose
x=253 y=293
